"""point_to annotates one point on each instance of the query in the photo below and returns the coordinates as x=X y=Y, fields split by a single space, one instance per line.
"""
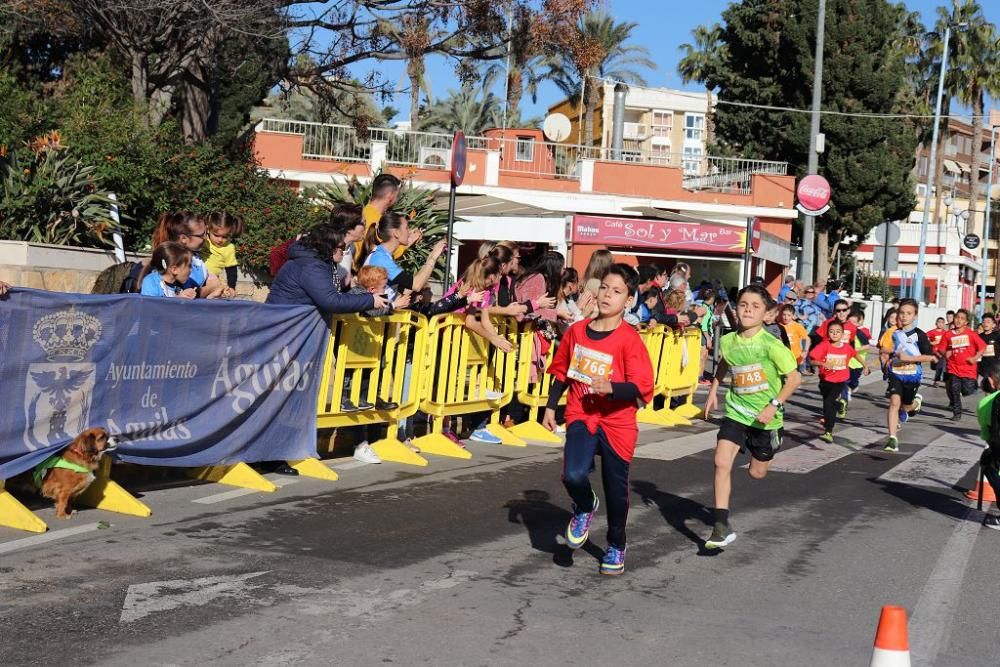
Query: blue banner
x=179 y=382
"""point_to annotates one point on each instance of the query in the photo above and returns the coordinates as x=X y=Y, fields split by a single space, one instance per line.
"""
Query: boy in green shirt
x=763 y=376
x=990 y=460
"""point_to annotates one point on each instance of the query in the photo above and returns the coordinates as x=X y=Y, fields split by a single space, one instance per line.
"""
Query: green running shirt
x=756 y=366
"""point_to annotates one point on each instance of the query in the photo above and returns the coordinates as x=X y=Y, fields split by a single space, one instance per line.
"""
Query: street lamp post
x=808 y=222
x=986 y=224
x=918 y=293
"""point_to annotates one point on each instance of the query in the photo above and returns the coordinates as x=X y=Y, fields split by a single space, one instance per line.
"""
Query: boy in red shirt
x=934 y=336
x=962 y=348
x=607 y=370
x=832 y=356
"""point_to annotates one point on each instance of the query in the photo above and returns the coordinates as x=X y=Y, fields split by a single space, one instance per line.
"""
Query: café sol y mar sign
x=662 y=234
x=813 y=194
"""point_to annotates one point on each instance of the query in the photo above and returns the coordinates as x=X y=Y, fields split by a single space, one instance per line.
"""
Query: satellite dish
x=556 y=127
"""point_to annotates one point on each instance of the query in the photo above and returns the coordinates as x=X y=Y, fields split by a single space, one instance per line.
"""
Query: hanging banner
x=178 y=382
x=646 y=233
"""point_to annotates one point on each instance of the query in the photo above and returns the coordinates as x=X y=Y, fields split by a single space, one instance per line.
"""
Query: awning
x=952 y=166
x=662 y=214
x=466 y=205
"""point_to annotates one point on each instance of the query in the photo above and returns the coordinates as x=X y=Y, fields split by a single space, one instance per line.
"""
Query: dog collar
x=56 y=461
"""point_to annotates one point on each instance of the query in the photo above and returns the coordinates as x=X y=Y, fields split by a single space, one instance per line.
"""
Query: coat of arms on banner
x=57 y=394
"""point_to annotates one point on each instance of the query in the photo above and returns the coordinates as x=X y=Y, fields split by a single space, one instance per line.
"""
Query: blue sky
x=663 y=26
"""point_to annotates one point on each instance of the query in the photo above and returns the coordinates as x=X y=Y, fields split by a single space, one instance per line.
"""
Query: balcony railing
x=518 y=155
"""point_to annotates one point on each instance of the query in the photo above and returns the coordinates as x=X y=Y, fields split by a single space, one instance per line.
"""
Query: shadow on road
x=544 y=521
x=949 y=505
x=677 y=511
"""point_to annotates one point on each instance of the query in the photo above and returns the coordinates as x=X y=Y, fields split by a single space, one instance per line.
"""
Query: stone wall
x=67 y=269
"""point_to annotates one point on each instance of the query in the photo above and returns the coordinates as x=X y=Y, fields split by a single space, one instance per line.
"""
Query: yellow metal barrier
x=375 y=358
x=464 y=374
x=676 y=361
x=685 y=382
x=534 y=395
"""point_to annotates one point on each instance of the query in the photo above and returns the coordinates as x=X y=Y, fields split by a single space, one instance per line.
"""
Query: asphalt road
x=461 y=563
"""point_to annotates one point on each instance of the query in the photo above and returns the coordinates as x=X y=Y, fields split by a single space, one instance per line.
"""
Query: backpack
x=119 y=278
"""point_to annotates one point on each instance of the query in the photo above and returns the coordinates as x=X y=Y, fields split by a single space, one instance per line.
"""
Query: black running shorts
x=761 y=444
x=907 y=391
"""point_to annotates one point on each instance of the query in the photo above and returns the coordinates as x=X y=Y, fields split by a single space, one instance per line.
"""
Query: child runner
x=764 y=375
x=832 y=356
x=905 y=351
x=962 y=348
x=862 y=339
x=989 y=359
x=798 y=337
x=607 y=369
x=934 y=336
x=989 y=430
x=167 y=271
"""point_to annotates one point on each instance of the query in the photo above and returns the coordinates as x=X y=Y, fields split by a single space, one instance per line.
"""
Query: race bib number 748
x=749 y=379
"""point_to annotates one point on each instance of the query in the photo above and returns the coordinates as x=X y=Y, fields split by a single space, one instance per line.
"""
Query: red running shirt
x=839 y=355
x=629 y=362
x=964 y=345
x=850 y=330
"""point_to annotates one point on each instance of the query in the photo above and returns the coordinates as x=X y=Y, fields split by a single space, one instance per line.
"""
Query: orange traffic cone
x=989 y=496
x=892 y=644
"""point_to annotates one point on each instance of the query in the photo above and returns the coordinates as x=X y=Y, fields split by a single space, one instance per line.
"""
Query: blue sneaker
x=578 y=529
x=904 y=416
x=484 y=436
x=613 y=561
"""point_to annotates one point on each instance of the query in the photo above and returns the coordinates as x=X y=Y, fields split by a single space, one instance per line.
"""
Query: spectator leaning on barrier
x=190 y=231
x=349 y=219
x=167 y=272
x=309 y=275
x=600 y=262
x=375 y=280
x=381 y=243
x=385 y=192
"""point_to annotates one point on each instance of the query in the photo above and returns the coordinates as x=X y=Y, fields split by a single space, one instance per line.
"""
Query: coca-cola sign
x=814 y=195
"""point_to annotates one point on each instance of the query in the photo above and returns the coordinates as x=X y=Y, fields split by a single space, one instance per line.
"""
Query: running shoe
x=484 y=436
x=451 y=435
x=722 y=536
x=613 y=561
x=904 y=416
x=957 y=417
x=826 y=437
x=891 y=444
x=850 y=394
x=990 y=521
x=842 y=412
x=578 y=529
x=363 y=404
x=347 y=406
x=918 y=402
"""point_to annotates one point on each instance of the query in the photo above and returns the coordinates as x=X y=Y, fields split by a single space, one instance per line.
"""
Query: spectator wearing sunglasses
x=841 y=310
x=806 y=311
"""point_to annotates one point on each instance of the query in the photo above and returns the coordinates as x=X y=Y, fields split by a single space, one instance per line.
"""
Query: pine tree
x=767 y=58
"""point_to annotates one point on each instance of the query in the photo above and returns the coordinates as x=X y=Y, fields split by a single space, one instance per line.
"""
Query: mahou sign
x=813 y=194
x=636 y=232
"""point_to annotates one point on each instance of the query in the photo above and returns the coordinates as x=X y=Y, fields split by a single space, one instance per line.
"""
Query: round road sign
x=971 y=241
x=458 y=158
x=813 y=193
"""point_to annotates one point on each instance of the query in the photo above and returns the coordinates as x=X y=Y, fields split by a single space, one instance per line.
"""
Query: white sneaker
x=366 y=454
x=494 y=395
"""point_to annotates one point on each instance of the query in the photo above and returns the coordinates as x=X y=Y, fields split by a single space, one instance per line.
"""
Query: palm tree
x=699 y=63
x=473 y=109
x=414 y=35
x=600 y=51
x=977 y=58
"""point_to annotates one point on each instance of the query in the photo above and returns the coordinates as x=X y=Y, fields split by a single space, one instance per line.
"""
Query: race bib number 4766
x=749 y=379
x=586 y=365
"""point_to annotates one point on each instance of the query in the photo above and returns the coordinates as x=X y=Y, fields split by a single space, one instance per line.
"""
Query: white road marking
x=52 y=535
x=941 y=464
x=141 y=600
x=349 y=465
x=672 y=449
x=805 y=458
x=930 y=624
x=239 y=493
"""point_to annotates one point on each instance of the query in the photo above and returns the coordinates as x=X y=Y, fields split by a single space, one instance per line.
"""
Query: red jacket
x=840 y=355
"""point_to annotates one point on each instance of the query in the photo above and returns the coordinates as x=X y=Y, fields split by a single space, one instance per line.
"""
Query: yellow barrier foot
x=439 y=445
x=506 y=437
x=654 y=418
x=673 y=418
x=106 y=494
x=532 y=430
x=15 y=515
x=314 y=468
x=394 y=451
x=240 y=475
x=688 y=411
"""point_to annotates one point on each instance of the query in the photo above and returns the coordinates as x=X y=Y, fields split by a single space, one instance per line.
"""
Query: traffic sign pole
x=458 y=154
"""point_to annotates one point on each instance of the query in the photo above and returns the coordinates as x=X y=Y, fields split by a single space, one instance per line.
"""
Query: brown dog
x=66 y=475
